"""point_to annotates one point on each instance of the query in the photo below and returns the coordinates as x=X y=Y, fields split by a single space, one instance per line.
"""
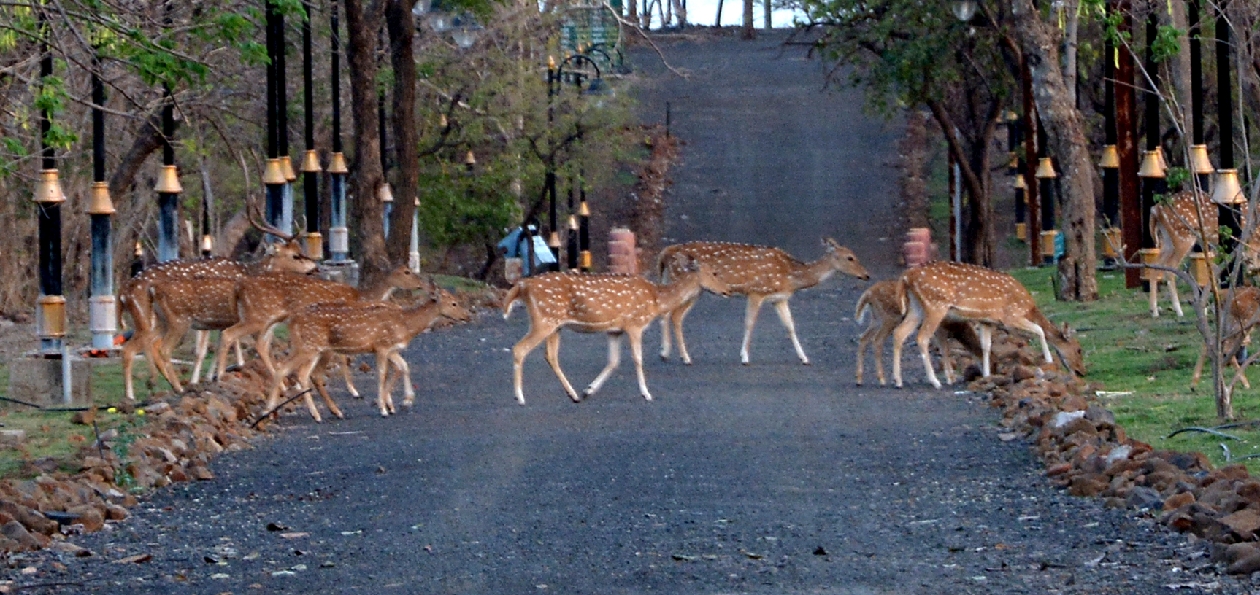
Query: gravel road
x=768 y=478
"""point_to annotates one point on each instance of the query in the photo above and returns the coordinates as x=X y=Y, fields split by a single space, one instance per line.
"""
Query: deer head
x=449 y=306
x=844 y=260
x=1069 y=349
x=405 y=279
x=709 y=280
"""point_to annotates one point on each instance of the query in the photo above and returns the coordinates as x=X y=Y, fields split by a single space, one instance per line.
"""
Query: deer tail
x=863 y=306
x=517 y=293
x=663 y=260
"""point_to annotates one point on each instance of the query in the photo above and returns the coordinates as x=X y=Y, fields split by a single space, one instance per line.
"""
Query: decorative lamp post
x=1045 y=176
x=1110 y=164
x=1152 y=173
x=310 y=159
x=51 y=305
x=1199 y=164
x=339 y=233
x=385 y=194
x=413 y=257
x=1227 y=191
x=282 y=128
x=584 y=236
x=273 y=175
x=168 y=189
x=102 y=316
x=1021 y=226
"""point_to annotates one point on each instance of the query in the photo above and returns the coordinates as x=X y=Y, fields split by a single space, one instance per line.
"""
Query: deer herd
x=328 y=322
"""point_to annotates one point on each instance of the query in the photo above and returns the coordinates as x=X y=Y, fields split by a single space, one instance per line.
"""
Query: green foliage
x=1167 y=43
x=1176 y=177
x=461 y=208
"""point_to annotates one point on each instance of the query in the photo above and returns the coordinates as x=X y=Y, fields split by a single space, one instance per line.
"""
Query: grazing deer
x=1240 y=319
x=136 y=299
x=264 y=301
x=940 y=290
x=349 y=328
x=600 y=303
x=884 y=301
x=761 y=273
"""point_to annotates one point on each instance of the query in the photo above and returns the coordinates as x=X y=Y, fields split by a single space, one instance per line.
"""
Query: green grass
x=1128 y=351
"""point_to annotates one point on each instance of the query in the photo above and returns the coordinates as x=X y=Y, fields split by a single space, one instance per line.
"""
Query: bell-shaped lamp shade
x=48 y=190
x=274 y=172
x=1199 y=162
x=99 y=202
x=207 y=243
x=310 y=162
x=1110 y=158
x=963 y=9
x=1045 y=169
x=385 y=193
x=337 y=164
x=1020 y=184
x=1227 y=190
x=1151 y=166
x=168 y=181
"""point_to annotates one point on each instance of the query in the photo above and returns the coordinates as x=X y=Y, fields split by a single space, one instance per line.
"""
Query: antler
x=255 y=219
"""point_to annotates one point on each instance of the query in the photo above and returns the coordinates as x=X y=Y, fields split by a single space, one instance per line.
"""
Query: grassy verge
x=1144 y=366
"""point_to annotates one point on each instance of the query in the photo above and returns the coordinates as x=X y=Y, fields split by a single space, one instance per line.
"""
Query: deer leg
x=863 y=341
x=346 y=363
x=636 y=352
x=986 y=344
x=903 y=331
x=750 y=320
x=240 y=354
x=138 y=342
x=383 y=399
x=1036 y=329
x=203 y=345
x=552 y=355
x=161 y=355
x=947 y=360
x=785 y=316
x=676 y=319
x=522 y=349
x=1154 y=291
x=931 y=321
x=665 y=320
x=303 y=381
x=403 y=373
x=614 y=360
x=886 y=327
x=1172 y=294
x=319 y=381
x=1198 y=367
x=277 y=380
x=263 y=346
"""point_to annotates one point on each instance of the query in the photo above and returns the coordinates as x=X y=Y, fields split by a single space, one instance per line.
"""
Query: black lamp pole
x=1151 y=183
x=1230 y=215
x=310 y=159
x=339 y=233
x=103 y=313
x=273 y=176
x=48 y=198
x=1111 y=173
x=553 y=214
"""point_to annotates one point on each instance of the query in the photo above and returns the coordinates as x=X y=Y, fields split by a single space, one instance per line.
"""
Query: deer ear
x=1067 y=330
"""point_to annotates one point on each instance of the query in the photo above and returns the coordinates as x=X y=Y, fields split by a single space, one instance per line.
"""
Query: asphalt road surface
x=768 y=478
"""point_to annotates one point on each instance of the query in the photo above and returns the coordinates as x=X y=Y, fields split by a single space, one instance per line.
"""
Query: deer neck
x=378 y=292
x=682 y=289
x=809 y=275
x=418 y=319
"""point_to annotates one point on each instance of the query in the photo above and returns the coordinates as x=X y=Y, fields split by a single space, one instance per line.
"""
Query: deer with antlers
x=601 y=303
x=762 y=274
x=946 y=290
x=137 y=300
x=882 y=304
x=264 y=301
x=319 y=331
x=1241 y=317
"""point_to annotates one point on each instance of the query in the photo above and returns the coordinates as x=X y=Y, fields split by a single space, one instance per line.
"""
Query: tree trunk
x=750 y=29
x=1065 y=128
x=401 y=27
x=972 y=157
x=366 y=175
x=717 y=21
x=632 y=11
x=1069 y=48
x=913 y=151
x=1179 y=66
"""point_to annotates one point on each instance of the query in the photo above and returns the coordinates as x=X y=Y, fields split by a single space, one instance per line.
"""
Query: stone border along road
x=771 y=478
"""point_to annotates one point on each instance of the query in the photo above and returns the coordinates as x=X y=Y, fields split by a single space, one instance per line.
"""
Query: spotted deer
x=882 y=304
x=953 y=291
x=136 y=300
x=264 y=301
x=601 y=303
x=349 y=328
x=1175 y=226
x=762 y=274
x=1241 y=317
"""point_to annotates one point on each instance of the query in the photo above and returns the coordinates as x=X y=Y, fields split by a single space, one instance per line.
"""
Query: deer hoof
x=805 y=362
x=647 y=396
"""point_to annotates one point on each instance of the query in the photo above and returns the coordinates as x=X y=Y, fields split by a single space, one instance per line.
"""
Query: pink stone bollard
x=622 y=255
x=917 y=248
